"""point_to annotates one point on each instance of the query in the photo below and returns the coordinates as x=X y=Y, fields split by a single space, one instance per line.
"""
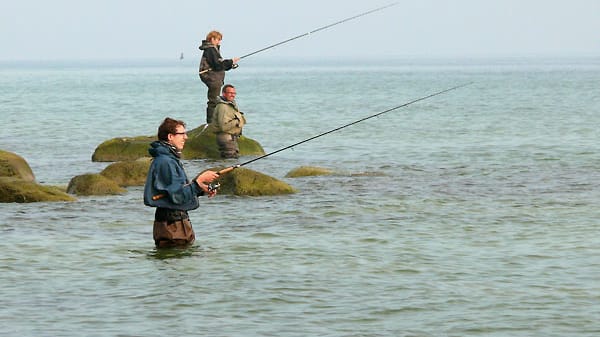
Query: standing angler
x=169 y=190
x=212 y=69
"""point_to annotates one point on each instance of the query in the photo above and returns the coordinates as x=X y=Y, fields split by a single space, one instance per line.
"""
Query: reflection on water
x=175 y=252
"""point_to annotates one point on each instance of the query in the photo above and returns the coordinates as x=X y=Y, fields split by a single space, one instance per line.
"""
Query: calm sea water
x=472 y=213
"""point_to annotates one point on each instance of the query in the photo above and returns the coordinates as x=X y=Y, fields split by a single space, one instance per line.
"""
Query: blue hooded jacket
x=167 y=181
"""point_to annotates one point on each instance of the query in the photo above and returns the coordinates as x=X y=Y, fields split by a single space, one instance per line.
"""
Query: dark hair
x=226 y=86
x=169 y=125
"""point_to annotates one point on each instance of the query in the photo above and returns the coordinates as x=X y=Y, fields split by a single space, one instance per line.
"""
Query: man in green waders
x=228 y=121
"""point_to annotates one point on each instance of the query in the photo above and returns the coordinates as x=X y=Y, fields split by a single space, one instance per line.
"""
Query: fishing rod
x=231 y=168
x=319 y=29
x=213 y=187
x=311 y=32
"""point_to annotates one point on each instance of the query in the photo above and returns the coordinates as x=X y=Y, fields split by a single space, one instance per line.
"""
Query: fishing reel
x=213 y=187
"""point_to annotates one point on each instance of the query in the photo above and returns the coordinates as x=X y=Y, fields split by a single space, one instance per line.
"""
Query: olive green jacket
x=228 y=118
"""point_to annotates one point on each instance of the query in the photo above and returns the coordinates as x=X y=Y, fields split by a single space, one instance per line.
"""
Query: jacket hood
x=205 y=45
x=158 y=148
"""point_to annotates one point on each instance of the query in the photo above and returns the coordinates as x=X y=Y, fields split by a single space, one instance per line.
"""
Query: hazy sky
x=131 y=29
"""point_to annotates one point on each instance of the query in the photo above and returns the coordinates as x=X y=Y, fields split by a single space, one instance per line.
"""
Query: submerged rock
x=94 y=184
x=305 y=171
x=13 y=165
x=21 y=191
x=243 y=181
x=128 y=173
x=201 y=144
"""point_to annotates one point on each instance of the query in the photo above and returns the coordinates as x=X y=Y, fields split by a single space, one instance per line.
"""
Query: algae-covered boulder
x=123 y=149
x=13 y=165
x=128 y=173
x=249 y=147
x=93 y=184
x=19 y=190
x=201 y=144
x=243 y=181
x=17 y=182
x=305 y=171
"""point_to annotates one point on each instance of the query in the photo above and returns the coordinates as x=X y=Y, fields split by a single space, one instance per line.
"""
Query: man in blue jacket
x=169 y=190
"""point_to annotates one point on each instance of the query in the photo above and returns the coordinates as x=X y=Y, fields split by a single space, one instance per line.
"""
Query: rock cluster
x=131 y=162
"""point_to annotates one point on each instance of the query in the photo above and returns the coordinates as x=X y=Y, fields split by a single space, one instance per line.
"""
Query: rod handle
x=228 y=169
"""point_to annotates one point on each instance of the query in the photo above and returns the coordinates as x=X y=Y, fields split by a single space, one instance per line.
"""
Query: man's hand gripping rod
x=211 y=187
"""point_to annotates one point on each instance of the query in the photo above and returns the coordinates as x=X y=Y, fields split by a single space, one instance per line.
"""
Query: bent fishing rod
x=319 y=29
x=311 y=32
x=231 y=168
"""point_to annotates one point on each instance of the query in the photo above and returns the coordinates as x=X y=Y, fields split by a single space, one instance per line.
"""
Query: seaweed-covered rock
x=128 y=173
x=243 y=181
x=305 y=171
x=13 y=165
x=201 y=144
x=94 y=184
x=21 y=191
x=123 y=149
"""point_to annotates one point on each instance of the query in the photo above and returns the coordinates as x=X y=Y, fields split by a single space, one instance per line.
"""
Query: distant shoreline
x=311 y=61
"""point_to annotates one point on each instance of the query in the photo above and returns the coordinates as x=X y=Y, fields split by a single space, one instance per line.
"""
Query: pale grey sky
x=134 y=29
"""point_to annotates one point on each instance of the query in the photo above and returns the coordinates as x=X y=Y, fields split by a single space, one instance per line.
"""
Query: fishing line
x=231 y=168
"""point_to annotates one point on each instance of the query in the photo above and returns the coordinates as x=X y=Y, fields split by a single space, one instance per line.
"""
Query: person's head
x=214 y=37
x=228 y=92
x=173 y=132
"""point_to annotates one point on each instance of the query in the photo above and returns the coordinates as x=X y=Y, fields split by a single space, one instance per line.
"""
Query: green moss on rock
x=94 y=184
x=123 y=149
x=128 y=173
x=250 y=147
x=22 y=191
x=246 y=182
x=13 y=165
x=305 y=171
x=201 y=144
